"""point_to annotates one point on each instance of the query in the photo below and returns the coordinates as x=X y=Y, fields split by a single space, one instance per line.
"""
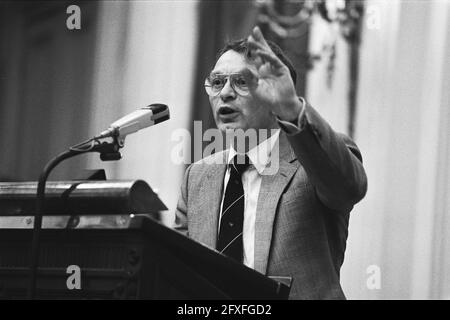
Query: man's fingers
x=255 y=45
x=259 y=47
x=257 y=39
x=250 y=77
x=256 y=49
x=269 y=57
x=258 y=36
x=252 y=47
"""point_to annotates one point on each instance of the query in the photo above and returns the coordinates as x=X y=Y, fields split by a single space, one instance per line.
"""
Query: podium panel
x=141 y=260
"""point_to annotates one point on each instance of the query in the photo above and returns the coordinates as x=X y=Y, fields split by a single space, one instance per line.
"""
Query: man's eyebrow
x=243 y=71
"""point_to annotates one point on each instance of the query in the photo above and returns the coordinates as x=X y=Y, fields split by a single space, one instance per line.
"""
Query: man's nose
x=227 y=91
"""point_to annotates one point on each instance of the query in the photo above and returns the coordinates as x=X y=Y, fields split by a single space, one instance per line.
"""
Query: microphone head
x=160 y=112
x=158 y=107
x=137 y=120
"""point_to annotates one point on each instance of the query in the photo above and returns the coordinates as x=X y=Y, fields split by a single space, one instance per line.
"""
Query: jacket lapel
x=206 y=224
x=272 y=186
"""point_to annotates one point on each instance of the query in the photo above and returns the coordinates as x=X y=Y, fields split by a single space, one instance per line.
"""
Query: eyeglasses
x=215 y=83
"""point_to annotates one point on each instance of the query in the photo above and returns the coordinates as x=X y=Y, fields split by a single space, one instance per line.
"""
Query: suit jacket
x=302 y=212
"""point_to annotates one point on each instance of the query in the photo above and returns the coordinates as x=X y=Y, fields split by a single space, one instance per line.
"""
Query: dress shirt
x=251 y=180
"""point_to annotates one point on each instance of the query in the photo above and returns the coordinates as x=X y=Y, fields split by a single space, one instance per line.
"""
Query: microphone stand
x=109 y=151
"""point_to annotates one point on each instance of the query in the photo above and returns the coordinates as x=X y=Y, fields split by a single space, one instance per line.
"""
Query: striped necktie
x=232 y=217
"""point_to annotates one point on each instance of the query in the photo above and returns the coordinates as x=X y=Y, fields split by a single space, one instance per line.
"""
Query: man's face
x=234 y=111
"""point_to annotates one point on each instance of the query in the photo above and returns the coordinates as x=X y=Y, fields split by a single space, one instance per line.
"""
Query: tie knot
x=240 y=163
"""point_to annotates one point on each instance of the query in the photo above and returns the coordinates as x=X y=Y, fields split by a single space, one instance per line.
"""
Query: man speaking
x=292 y=222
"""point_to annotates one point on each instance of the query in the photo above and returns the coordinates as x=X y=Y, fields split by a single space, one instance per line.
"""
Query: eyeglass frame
x=232 y=84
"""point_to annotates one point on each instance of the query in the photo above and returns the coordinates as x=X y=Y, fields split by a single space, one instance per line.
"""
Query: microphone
x=137 y=120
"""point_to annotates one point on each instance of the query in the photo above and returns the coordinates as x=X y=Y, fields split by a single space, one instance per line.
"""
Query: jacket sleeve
x=331 y=160
x=181 y=224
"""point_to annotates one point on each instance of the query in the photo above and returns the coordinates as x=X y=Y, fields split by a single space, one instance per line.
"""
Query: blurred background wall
x=386 y=84
x=402 y=129
x=145 y=54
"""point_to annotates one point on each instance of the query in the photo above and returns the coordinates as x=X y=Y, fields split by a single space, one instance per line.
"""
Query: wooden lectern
x=110 y=231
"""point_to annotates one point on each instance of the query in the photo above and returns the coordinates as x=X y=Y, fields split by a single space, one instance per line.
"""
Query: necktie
x=232 y=217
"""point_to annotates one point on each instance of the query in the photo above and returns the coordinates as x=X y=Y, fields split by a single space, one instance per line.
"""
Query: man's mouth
x=224 y=111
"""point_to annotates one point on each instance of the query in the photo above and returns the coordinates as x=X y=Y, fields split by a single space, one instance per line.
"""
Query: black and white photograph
x=242 y=152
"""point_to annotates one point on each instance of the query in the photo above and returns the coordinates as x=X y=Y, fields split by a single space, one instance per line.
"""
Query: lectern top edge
x=82 y=197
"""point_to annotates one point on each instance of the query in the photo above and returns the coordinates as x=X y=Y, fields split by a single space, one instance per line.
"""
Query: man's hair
x=241 y=46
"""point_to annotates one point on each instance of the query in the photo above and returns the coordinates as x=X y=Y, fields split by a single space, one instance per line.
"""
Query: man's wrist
x=297 y=124
x=294 y=111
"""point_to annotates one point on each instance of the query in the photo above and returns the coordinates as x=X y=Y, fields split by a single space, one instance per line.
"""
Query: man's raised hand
x=273 y=86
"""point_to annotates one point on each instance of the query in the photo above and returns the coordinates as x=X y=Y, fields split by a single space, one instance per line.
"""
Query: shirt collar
x=260 y=155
